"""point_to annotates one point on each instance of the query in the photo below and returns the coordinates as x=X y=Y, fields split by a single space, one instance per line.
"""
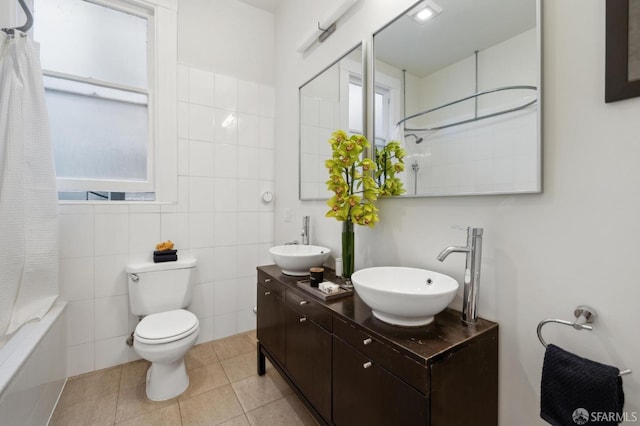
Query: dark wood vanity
x=350 y=368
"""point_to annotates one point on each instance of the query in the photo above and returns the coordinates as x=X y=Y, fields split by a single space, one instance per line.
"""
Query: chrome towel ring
x=584 y=315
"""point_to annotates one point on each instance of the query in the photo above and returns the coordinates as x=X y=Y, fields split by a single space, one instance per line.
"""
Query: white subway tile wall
x=499 y=159
x=225 y=162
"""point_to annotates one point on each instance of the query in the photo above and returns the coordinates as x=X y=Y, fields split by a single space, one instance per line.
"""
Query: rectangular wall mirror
x=333 y=99
x=457 y=82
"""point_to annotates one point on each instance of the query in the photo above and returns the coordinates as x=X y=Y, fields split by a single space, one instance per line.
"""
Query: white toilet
x=160 y=292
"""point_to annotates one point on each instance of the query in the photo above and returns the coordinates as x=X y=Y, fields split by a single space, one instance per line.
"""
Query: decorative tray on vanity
x=342 y=292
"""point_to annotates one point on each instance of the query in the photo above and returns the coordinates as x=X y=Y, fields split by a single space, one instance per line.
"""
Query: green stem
x=385 y=165
x=350 y=186
x=353 y=172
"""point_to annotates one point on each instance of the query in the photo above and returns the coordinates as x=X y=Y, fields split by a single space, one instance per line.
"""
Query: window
x=102 y=61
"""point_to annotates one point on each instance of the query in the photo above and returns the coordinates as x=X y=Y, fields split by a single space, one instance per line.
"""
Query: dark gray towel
x=575 y=386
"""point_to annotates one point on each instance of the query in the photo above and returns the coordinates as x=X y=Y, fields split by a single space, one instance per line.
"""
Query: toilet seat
x=166 y=327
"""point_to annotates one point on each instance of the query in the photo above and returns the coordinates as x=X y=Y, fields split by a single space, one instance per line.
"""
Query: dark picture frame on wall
x=622 y=70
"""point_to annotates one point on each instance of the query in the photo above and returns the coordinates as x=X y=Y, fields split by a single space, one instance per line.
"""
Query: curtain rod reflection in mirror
x=326 y=25
x=470 y=120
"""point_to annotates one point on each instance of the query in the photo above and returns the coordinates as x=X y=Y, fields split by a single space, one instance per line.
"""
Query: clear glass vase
x=348 y=245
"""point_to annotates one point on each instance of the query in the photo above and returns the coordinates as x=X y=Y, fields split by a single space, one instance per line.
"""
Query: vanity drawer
x=271 y=284
x=404 y=367
x=309 y=308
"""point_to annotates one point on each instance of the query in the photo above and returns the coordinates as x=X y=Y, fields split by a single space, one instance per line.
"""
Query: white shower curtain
x=28 y=198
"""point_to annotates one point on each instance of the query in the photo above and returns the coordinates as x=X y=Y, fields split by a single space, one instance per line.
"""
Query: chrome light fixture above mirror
x=333 y=99
x=461 y=92
x=326 y=26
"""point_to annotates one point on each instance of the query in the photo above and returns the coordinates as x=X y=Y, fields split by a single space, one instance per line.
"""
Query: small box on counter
x=329 y=288
x=165 y=256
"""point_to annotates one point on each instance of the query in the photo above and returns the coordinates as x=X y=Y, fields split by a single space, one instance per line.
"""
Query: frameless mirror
x=333 y=99
x=457 y=82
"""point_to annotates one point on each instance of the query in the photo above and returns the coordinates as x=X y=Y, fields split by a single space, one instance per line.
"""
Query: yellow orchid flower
x=358 y=182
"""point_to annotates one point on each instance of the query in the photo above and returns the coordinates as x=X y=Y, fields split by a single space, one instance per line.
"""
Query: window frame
x=161 y=94
x=385 y=115
x=350 y=73
x=389 y=88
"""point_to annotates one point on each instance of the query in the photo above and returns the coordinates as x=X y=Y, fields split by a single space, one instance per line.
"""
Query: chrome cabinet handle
x=303 y=302
x=302 y=319
x=266 y=293
x=367 y=341
x=267 y=280
x=367 y=364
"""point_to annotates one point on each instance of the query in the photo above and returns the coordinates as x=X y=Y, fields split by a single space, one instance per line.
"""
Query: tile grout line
x=180 y=413
x=115 y=412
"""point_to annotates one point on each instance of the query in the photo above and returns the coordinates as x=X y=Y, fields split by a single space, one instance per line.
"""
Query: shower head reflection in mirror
x=418 y=138
x=459 y=154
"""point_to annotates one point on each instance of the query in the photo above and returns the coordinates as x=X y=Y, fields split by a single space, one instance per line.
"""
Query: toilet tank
x=159 y=287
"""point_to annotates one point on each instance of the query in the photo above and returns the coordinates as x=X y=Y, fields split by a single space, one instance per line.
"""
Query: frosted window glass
x=96 y=138
x=88 y=40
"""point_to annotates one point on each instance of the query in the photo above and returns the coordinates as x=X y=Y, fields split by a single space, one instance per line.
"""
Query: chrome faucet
x=305 y=230
x=471 y=273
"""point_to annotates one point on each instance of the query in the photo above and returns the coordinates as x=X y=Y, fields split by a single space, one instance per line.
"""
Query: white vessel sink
x=408 y=297
x=296 y=259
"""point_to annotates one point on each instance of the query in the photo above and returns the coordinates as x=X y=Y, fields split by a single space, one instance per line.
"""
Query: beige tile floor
x=224 y=390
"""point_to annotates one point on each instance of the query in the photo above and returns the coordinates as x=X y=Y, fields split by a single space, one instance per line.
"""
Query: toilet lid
x=165 y=327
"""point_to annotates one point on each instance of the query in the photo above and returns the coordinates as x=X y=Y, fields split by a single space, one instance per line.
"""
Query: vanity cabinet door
x=402 y=404
x=270 y=320
x=356 y=397
x=308 y=355
x=365 y=393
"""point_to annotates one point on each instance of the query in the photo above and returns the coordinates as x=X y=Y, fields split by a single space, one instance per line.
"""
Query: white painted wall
x=229 y=37
x=543 y=254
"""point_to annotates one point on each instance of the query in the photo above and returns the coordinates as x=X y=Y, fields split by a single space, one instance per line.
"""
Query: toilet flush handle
x=134 y=277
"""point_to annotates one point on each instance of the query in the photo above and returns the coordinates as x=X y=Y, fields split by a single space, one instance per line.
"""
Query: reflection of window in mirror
x=382 y=116
x=355 y=105
x=386 y=106
x=351 y=96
